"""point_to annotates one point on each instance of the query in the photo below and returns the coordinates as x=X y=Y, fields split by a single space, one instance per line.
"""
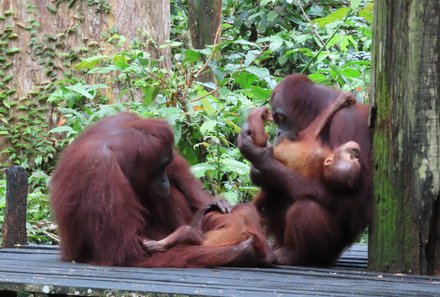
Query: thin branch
x=216 y=38
x=162 y=81
x=265 y=47
x=52 y=236
x=206 y=95
x=130 y=87
x=311 y=24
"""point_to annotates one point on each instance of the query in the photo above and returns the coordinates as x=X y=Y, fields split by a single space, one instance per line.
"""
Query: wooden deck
x=38 y=269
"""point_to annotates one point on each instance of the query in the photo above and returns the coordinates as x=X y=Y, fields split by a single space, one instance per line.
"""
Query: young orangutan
x=211 y=229
x=308 y=155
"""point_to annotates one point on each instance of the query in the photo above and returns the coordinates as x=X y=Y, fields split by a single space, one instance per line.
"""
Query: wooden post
x=405 y=92
x=14 y=227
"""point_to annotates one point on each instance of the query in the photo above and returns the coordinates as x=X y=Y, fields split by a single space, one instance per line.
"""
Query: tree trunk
x=84 y=26
x=41 y=40
x=204 y=19
x=405 y=235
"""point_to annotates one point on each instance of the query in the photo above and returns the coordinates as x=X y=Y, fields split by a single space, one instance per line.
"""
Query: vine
x=27 y=119
x=7 y=86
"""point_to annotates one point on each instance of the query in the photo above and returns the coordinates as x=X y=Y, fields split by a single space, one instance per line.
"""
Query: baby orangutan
x=308 y=155
x=228 y=239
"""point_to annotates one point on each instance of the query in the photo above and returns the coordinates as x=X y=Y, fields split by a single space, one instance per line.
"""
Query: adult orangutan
x=312 y=220
x=120 y=186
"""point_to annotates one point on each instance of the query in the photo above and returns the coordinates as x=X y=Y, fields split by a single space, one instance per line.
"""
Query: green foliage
x=38 y=215
x=328 y=40
x=204 y=125
x=25 y=120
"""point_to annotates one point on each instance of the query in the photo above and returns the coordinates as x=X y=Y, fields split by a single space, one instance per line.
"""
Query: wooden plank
x=39 y=270
x=192 y=276
x=354 y=257
x=209 y=286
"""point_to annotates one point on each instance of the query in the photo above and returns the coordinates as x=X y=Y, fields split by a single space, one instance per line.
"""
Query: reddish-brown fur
x=311 y=158
x=106 y=210
x=311 y=221
x=256 y=119
x=239 y=233
x=307 y=154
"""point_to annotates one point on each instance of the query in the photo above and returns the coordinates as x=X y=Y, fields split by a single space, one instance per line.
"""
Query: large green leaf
x=337 y=15
x=261 y=73
x=121 y=61
x=199 y=170
x=245 y=79
x=150 y=93
x=208 y=126
x=89 y=63
x=355 y=4
x=232 y=165
x=232 y=197
x=367 y=12
x=86 y=90
x=62 y=129
x=191 y=56
x=207 y=105
x=319 y=78
x=258 y=93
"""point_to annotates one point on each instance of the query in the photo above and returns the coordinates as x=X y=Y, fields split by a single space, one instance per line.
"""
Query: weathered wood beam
x=14 y=226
